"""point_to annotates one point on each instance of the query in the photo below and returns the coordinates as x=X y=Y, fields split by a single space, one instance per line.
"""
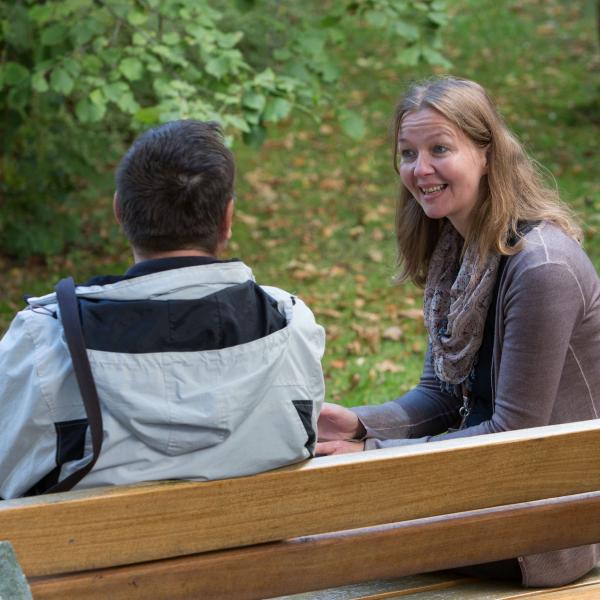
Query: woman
x=511 y=301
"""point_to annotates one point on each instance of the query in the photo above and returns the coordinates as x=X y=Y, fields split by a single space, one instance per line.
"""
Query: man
x=201 y=374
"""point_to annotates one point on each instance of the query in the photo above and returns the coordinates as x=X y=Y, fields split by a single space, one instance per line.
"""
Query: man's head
x=174 y=189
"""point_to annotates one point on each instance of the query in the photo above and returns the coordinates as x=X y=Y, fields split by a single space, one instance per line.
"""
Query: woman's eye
x=439 y=149
x=407 y=154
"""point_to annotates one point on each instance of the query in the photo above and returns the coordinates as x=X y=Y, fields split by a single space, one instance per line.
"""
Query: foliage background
x=315 y=207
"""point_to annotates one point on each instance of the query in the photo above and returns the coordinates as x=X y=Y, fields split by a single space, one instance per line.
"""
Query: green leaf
x=149 y=115
x=433 y=57
x=439 y=18
x=352 y=124
x=71 y=66
x=329 y=72
x=17 y=27
x=376 y=18
x=132 y=68
x=252 y=117
x=407 y=31
x=139 y=39
x=18 y=97
x=13 y=73
x=255 y=137
x=54 y=34
x=312 y=44
x=61 y=82
x=245 y=5
x=229 y=40
x=161 y=86
x=85 y=31
x=114 y=91
x=277 y=109
x=97 y=97
x=265 y=78
x=422 y=6
x=218 y=66
x=238 y=122
x=282 y=54
x=153 y=65
x=41 y=13
x=330 y=21
x=128 y=104
x=38 y=82
x=172 y=38
x=89 y=112
x=137 y=17
x=91 y=63
x=254 y=101
x=410 y=56
x=196 y=30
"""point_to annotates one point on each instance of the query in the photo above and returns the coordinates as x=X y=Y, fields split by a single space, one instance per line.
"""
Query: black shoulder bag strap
x=69 y=314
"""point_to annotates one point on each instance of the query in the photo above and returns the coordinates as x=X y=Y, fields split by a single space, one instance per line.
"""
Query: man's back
x=200 y=374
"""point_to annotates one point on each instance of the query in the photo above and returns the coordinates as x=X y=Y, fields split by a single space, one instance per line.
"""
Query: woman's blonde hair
x=514 y=190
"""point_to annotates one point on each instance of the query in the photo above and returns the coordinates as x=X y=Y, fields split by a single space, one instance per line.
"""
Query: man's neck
x=141 y=256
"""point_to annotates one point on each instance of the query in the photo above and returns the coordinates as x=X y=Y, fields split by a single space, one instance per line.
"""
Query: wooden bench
x=343 y=520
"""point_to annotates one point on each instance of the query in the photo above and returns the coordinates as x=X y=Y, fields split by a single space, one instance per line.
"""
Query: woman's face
x=441 y=167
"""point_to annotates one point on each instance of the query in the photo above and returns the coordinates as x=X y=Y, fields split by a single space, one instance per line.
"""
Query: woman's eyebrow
x=434 y=134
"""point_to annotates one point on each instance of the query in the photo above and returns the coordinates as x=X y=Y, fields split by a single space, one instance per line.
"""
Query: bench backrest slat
x=93 y=529
x=331 y=560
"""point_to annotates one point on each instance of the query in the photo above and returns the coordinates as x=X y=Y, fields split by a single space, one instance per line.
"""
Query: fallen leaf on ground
x=246 y=219
x=356 y=232
x=367 y=316
x=328 y=312
x=338 y=363
x=411 y=313
x=393 y=333
x=377 y=235
x=375 y=255
x=371 y=335
x=330 y=184
x=388 y=366
x=355 y=348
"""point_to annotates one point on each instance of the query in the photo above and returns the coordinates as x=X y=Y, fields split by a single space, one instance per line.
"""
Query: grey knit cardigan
x=545 y=370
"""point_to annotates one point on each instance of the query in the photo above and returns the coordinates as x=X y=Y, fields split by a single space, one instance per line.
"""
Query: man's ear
x=117 y=208
x=228 y=221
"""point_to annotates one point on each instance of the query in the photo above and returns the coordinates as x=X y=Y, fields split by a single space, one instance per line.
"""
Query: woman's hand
x=338 y=423
x=337 y=427
x=338 y=447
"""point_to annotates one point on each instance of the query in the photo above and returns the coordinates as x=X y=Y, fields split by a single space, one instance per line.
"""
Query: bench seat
x=331 y=521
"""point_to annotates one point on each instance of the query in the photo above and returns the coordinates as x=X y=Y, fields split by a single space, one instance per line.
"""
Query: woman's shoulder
x=546 y=243
x=549 y=252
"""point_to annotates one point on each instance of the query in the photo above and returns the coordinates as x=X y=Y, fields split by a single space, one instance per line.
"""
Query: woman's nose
x=423 y=165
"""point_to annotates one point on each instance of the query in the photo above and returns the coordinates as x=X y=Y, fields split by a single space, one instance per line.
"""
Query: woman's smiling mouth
x=433 y=189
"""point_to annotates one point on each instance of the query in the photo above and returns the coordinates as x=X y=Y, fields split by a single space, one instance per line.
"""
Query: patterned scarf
x=456 y=301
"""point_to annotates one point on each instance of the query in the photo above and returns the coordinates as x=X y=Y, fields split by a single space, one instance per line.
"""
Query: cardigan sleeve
x=424 y=411
x=540 y=311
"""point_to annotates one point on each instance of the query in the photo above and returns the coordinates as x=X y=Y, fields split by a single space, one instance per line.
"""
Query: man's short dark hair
x=173 y=186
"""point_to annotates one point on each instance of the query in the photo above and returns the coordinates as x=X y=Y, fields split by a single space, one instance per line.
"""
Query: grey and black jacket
x=201 y=374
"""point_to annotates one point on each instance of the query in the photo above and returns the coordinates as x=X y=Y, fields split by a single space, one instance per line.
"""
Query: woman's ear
x=484 y=157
